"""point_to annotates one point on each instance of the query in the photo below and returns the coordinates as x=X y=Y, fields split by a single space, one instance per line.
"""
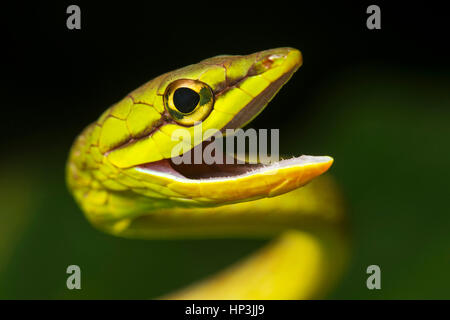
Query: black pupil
x=185 y=99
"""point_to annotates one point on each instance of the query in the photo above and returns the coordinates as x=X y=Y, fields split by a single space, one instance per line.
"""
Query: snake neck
x=93 y=180
x=111 y=197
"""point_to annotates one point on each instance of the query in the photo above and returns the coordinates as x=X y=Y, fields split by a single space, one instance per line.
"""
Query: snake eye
x=188 y=101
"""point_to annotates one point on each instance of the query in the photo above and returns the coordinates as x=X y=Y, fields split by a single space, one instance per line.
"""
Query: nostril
x=267 y=62
x=273 y=60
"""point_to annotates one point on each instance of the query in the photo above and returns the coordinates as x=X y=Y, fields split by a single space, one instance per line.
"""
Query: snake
x=121 y=170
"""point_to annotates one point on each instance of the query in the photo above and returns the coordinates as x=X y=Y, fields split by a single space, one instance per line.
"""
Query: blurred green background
x=382 y=114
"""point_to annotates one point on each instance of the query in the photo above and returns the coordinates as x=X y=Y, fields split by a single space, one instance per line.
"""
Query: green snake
x=122 y=173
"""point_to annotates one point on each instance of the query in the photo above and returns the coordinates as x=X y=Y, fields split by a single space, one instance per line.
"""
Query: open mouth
x=224 y=171
x=230 y=165
x=225 y=182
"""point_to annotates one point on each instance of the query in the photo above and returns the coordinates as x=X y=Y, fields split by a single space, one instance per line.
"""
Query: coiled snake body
x=122 y=174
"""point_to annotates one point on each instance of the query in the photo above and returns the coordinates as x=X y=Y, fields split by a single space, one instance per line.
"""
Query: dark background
x=376 y=100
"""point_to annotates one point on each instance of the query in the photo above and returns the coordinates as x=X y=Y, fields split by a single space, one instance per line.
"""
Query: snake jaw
x=248 y=182
x=278 y=67
x=140 y=130
x=202 y=173
x=135 y=138
x=240 y=182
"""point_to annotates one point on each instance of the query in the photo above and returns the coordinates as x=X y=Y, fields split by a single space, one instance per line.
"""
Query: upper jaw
x=256 y=105
x=284 y=61
x=275 y=66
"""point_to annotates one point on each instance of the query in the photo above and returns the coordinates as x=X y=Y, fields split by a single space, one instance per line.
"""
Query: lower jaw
x=235 y=170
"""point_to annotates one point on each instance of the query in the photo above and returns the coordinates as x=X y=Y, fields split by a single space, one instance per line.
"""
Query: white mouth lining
x=292 y=162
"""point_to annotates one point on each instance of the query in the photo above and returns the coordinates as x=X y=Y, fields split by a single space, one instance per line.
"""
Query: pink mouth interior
x=202 y=171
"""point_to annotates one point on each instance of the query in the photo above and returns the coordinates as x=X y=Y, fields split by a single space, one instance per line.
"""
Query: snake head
x=124 y=172
x=129 y=150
